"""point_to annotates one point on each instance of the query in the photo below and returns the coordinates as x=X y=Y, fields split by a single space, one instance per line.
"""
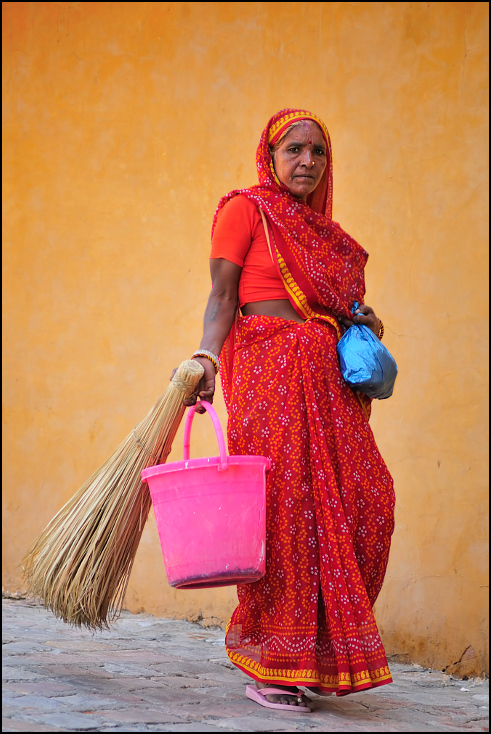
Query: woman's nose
x=308 y=159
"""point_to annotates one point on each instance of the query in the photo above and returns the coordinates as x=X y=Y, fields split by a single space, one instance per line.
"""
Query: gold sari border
x=311 y=677
x=308 y=313
x=300 y=298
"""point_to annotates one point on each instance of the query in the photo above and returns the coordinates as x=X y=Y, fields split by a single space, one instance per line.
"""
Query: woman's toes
x=296 y=699
x=287 y=700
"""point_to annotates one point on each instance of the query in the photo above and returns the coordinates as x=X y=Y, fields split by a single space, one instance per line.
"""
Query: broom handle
x=218 y=430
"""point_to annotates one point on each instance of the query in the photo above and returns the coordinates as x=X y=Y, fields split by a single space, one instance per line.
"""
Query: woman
x=295 y=275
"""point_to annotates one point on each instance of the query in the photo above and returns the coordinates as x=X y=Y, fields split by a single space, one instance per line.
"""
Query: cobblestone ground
x=150 y=674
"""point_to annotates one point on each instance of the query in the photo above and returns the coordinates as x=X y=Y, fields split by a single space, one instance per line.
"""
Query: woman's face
x=300 y=159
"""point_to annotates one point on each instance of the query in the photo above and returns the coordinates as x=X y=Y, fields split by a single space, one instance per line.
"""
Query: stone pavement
x=150 y=674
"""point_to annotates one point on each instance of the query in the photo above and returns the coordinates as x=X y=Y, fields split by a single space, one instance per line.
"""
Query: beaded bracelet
x=209 y=355
x=381 y=330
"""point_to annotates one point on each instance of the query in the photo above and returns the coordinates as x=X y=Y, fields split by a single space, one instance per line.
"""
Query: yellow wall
x=124 y=123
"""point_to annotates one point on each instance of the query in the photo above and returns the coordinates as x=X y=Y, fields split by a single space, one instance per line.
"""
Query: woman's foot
x=318 y=691
x=294 y=697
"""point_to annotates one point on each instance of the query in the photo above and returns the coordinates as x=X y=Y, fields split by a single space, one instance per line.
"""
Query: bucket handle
x=218 y=430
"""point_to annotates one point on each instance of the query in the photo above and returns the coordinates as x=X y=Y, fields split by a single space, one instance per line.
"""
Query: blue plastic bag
x=365 y=363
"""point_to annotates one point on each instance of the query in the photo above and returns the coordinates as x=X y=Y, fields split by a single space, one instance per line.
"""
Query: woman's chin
x=301 y=190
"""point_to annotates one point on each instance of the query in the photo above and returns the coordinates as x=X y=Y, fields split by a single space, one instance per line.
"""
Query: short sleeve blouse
x=239 y=237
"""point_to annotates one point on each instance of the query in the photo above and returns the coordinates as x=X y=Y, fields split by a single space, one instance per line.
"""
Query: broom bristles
x=80 y=564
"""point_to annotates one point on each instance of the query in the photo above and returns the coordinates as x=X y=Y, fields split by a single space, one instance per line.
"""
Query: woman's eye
x=319 y=151
x=293 y=150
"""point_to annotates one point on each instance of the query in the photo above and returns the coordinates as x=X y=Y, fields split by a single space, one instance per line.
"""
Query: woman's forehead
x=305 y=129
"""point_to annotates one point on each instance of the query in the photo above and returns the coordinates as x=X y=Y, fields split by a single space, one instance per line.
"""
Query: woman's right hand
x=206 y=386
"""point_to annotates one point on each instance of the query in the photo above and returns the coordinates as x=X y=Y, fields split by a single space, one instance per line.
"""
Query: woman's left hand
x=366 y=316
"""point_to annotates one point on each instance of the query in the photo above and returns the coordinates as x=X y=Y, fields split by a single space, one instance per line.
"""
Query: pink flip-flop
x=259 y=696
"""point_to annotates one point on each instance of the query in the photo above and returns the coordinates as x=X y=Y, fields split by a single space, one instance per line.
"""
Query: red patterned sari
x=330 y=499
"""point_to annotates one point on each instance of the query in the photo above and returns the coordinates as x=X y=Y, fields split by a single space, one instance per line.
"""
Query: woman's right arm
x=219 y=316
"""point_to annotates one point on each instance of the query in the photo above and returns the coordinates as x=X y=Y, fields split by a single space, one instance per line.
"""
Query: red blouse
x=239 y=237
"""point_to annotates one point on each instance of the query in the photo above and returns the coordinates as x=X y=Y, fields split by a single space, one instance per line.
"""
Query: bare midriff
x=282 y=308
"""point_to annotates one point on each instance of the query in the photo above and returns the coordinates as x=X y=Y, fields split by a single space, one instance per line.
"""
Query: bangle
x=209 y=355
x=381 y=330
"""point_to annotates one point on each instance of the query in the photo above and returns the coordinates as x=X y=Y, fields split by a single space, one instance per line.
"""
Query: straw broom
x=80 y=564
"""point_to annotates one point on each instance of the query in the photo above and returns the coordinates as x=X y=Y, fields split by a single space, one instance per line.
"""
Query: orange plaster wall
x=124 y=123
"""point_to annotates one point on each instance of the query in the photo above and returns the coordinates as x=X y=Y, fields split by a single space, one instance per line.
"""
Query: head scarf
x=320 y=200
x=321 y=265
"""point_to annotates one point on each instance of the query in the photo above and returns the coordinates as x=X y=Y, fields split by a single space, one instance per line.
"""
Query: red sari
x=330 y=499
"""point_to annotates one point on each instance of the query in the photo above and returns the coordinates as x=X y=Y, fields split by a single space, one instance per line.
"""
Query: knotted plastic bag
x=365 y=363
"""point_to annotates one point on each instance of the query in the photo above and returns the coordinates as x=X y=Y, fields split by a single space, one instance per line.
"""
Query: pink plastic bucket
x=211 y=515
